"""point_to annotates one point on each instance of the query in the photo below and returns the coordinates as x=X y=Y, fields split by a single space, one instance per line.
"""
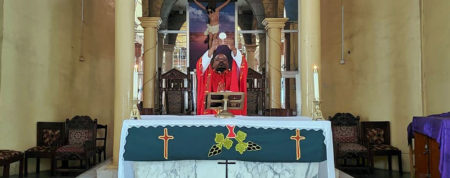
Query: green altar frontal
x=224 y=143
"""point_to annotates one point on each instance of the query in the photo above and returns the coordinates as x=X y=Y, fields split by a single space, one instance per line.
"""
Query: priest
x=221 y=68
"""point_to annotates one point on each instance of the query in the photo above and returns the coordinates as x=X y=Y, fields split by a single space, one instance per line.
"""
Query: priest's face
x=220 y=63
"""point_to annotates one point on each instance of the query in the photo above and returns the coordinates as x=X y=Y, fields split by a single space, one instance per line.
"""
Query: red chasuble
x=231 y=80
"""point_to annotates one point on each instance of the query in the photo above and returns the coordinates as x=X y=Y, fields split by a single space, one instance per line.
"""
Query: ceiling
x=181 y=5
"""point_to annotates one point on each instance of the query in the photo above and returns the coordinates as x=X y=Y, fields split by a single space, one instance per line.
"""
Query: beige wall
x=381 y=79
x=1 y=41
x=93 y=79
x=436 y=56
x=42 y=78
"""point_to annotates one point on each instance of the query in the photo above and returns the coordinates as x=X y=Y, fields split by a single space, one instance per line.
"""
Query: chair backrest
x=80 y=129
x=172 y=88
x=376 y=132
x=105 y=134
x=255 y=92
x=50 y=134
x=345 y=128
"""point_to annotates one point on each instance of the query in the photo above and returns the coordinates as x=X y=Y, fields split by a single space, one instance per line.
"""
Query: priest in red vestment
x=215 y=74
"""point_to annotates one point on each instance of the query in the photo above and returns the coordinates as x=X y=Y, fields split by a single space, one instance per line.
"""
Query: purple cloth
x=437 y=127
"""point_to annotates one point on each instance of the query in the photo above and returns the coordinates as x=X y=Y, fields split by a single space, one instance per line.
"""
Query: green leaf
x=241 y=147
x=228 y=143
x=240 y=136
x=219 y=138
x=219 y=145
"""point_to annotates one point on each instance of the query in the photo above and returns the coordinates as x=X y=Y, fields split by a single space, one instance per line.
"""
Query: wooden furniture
x=378 y=136
x=80 y=138
x=431 y=146
x=102 y=148
x=9 y=156
x=50 y=136
x=256 y=88
x=173 y=85
x=347 y=143
x=278 y=112
x=427 y=156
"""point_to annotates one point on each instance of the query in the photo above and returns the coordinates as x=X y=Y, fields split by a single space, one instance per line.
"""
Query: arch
x=166 y=8
x=258 y=11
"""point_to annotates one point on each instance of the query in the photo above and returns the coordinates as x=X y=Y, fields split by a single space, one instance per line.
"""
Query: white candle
x=316 y=83
x=135 y=83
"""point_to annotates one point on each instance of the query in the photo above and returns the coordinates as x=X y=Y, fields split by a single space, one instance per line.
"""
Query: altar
x=244 y=146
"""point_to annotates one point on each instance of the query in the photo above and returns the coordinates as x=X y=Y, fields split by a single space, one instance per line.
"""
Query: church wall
x=43 y=78
x=1 y=41
x=381 y=78
x=436 y=56
x=37 y=69
x=93 y=78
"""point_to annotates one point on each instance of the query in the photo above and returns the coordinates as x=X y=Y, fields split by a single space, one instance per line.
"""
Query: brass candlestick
x=135 y=114
x=317 y=113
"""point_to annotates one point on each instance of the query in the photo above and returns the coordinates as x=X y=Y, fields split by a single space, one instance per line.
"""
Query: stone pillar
x=273 y=27
x=310 y=51
x=159 y=64
x=168 y=53
x=251 y=60
x=150 y=25
x=262 y=51
x=123 y=68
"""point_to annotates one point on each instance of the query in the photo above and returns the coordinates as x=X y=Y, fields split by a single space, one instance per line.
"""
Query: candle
x=316 y=83
x=135 y=82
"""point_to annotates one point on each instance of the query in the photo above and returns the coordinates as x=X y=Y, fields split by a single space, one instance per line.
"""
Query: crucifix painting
x=208 y=19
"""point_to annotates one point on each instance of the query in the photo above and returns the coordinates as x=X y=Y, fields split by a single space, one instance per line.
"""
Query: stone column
x=273 y=27
x=252 y=63
x=310 y=51
x=168 y=53
x=123 y=68
x=150 y=25
x=262 y=51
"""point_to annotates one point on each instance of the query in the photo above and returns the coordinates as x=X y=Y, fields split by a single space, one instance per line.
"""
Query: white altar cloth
x=325 y=169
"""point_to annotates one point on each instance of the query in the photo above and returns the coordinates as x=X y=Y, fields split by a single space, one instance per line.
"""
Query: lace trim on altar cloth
x=297 y=122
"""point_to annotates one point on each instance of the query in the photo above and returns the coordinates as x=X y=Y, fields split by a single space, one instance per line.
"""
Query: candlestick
x=316 y=83
x=135 y=82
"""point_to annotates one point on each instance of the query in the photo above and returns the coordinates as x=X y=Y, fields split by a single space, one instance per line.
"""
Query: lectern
x=223 y=101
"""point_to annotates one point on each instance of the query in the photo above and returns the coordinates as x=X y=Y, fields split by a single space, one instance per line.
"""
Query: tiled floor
x=379 y=173
x=45 y=174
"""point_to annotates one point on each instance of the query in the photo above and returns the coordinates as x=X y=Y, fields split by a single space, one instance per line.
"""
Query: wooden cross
x=226 y=166
x=166 y=137
x=297 y=137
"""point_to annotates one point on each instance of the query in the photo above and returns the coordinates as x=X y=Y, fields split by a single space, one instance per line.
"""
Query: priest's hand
x=230 y=44
x=213 y=47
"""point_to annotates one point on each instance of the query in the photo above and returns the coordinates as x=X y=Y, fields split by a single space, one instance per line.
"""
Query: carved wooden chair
x=102 y=148
x=348 y=144
x=256 y=88
x=80 y=138
x=172 y=88
x=50 y=136
x=378 y=136
x=9 y=156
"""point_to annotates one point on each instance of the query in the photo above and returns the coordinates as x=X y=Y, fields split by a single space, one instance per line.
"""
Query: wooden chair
x=80 y=138
x=256 y=88
x=9 y=156
x=172 y=88
x=348 y=144
x=378 y=136
x=50 y=136
x=102 y=148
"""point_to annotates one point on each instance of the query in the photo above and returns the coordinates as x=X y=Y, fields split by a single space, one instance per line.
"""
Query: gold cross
x=297 y=137
x=166 y=137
